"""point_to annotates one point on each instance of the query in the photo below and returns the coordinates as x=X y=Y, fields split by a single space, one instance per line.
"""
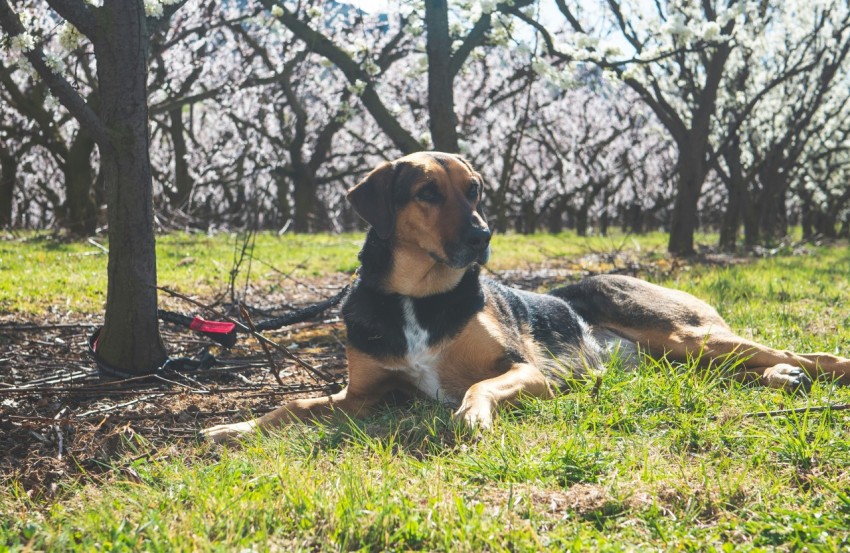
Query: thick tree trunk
x=80 y=206
x=304 y=195
x=730 y=223
x=183 y=183
x=581 y=221
x=8 y=178
x=683 y=223
x=441 y=104
x=555 y=217
x=130 y=338
x=284 y=206
x=752 y=233
x=772 y=216
x=736 y=189
x=633 y=221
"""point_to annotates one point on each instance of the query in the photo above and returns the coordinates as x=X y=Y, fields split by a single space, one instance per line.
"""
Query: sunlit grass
x=662 y=458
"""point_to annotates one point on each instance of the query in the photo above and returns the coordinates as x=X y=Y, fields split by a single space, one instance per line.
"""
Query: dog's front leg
x=482 y=398
x=301 y=409
x=368 y=383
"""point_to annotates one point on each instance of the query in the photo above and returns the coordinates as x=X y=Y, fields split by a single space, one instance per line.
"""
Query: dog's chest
x=421 y=360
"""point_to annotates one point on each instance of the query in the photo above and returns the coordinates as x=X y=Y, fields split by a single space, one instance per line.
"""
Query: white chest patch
x=421 y=360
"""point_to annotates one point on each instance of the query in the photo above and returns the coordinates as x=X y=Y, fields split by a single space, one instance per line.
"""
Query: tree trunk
x=304 y=195
x=183 y=183
x=130 y=338
x=283 y=204
x=581 y=221
x=555 y=217
x=752 y=233
x=8 y=179
x=80 y=206
x=683 y=223
x=441 y=104
x=771 y=204
x=736 y=189
x=634 y=218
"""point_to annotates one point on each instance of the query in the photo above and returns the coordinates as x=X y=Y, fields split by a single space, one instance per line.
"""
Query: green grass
x=661 y=459
x=41 y=276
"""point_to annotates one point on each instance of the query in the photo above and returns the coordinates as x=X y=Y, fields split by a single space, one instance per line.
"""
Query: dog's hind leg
x=772 y=367
x=778 y=368
x=670 y=322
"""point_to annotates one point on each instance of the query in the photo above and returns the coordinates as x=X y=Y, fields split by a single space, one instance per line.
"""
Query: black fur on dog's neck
x=376 y=260
x=375 y=318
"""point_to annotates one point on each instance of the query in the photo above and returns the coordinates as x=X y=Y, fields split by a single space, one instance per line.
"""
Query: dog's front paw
x=227 y=433
x=476 y=414
x=788 y=378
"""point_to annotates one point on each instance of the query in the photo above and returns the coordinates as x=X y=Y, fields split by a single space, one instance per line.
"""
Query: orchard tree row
x=732 y=115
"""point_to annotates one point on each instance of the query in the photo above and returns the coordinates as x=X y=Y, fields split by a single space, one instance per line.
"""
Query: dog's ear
x=372 y=199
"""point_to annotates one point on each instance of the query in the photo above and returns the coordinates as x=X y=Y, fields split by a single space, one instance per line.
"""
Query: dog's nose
x=478 y=237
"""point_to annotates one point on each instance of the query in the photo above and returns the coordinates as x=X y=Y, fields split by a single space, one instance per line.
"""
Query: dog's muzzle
x=473 y=247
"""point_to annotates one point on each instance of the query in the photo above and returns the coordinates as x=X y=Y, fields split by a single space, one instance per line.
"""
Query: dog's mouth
x=463 y=257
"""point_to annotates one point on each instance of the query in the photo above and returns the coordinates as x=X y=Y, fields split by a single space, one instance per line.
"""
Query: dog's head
x=430 y=201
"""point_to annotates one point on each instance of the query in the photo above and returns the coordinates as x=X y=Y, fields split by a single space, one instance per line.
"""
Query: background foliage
x=581 y=115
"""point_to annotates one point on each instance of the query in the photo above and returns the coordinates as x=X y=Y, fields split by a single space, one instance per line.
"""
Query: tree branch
x=77 y=13
x=61 y=88
x=322 y=45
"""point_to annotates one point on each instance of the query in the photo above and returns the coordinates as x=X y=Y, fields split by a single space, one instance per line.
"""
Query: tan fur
x=417 y=276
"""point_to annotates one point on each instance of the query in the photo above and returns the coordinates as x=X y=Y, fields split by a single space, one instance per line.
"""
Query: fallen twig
x=119 y=405
x=12 y=327
x=594 y=392
x=783 y=412
x=57 y=427
x=273 y=368
x=98 y=245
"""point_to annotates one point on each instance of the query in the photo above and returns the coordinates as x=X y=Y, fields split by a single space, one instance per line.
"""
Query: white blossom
x=54 y=63
x=69 y=37
x=153 y=8
x=23 y=42
x=357 y=88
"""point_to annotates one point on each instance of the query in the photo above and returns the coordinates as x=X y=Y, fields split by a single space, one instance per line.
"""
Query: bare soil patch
x=60 y=419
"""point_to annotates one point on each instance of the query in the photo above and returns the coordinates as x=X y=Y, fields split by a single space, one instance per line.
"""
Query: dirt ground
x=60 y=420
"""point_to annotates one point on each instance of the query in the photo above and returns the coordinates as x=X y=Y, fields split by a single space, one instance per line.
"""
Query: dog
x=420 y=318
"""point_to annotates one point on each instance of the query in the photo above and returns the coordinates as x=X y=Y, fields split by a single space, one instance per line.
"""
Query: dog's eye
x=429 y=194
x=472 y=193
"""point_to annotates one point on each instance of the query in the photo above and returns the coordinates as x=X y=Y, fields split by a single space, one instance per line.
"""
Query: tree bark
x=304 y=195
x=774 y=185
x=683 y=223
x=183 y=183
x=736 y=188
x=80 y=206
x=130 y=338
x=8 y=179
x=441 y=107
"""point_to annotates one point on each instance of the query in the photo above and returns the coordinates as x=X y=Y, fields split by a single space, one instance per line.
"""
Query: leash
x=171 y=365
x=222 y=332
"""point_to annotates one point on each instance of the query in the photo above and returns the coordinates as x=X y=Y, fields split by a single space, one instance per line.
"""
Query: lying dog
x=420 y=317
